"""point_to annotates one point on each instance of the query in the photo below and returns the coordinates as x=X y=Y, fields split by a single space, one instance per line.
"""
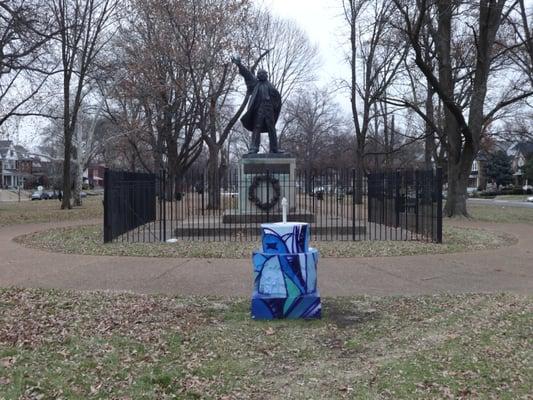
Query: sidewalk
x=508 y=269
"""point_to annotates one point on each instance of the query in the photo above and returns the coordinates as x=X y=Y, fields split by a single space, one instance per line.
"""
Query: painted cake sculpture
x=285 y=274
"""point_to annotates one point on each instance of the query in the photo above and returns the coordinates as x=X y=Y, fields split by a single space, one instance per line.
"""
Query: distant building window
x=11 y=153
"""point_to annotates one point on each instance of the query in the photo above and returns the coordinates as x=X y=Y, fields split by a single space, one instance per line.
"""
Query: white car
x=530 y=199
x=471 y=191
x=525 y=188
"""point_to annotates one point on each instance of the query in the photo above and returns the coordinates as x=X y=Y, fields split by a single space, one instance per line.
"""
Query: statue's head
x=262 y=75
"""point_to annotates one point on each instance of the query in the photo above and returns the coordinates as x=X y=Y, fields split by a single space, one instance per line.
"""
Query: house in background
x=477 y=179
x=94 y=176
x=15 y=165
x=520 y=153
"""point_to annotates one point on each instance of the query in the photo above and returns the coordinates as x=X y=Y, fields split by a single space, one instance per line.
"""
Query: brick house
x=94 y=175
x=15 y=165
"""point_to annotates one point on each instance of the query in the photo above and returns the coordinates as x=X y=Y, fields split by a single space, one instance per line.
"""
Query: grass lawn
x=14 y=213
x=88 y=240
x=519 y=197
x=501 y=214
x=56 y=344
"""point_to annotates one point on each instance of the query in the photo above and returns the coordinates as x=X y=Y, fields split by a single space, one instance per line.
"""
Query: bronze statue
x=264 y=107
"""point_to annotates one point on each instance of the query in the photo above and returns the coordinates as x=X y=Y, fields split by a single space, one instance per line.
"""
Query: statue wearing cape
x=263 y=110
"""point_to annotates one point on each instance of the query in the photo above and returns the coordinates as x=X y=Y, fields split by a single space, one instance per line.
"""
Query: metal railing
x=339 y=205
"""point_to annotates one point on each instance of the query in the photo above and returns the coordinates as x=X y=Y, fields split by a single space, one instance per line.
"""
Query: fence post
x=268 y=193
x=165 y=203
x=397 y=197
x=353 y=203
x=108 y=234
x=204 y=188
x=438 y=183
x=161 y=194
x=417 y=182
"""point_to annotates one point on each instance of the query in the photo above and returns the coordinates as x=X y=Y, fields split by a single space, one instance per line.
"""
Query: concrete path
x=507 y=269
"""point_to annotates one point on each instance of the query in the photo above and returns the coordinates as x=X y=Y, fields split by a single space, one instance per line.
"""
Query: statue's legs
x=273 y=138
x=256 y=141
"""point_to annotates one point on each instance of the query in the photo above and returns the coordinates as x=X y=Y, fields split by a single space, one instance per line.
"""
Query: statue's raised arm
x=249 y=78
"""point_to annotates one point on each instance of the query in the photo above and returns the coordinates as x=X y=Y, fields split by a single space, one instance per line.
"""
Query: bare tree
x=463 y=131
x=25 y=33
x=377 y=57
x=213 y=79
x=292 y=60
x=156 y=96
x=83 y=31
x=520 y=47
x=312 y=119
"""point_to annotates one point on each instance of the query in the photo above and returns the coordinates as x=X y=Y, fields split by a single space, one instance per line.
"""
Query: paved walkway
x=507 y=269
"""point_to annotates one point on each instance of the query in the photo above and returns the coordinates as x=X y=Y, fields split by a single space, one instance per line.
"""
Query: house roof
x=525 y=148
x=22 y=151
x=5 y=145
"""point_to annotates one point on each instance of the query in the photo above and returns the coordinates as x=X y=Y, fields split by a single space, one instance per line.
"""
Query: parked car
x=52 y=195
x=319 y=192
x=527 y=188
x=471 y=191
x=39 y=196
x=530 y=199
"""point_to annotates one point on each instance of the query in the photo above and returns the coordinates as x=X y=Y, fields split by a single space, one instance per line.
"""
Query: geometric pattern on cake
x=285 y=237
x=285 y=274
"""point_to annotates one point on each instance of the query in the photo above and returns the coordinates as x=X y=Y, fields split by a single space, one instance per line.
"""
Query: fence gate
x=339 y=205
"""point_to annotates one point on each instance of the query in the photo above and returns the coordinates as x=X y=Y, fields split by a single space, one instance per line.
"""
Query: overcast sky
x=322 y=21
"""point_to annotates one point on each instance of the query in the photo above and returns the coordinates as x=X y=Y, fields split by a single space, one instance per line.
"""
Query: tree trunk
x=359 y=174
x=65 y=202
x=429 y=140
x=78 y=183
x=457 y=194
x=223 y=168
x=213 y=178
x=482 y=176
x=172 y=169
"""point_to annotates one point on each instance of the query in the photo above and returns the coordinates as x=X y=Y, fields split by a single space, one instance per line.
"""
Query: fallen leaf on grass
x=7 y=362
x=270 y=331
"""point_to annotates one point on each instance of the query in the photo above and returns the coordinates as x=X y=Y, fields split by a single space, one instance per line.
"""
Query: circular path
x=507 y=269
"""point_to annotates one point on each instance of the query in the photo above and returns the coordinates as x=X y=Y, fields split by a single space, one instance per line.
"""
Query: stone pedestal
x=280 y=167
x=261 y=173
x=285 y=274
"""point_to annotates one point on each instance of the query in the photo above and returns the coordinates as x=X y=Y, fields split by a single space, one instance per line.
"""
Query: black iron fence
x=406 y=201
x=339 y=205
x=130 y=202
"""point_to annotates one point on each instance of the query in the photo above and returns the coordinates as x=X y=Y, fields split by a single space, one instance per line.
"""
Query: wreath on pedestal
x=252 y=195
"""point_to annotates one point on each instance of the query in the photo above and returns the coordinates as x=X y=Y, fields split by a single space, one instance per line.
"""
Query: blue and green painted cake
x=285 y=273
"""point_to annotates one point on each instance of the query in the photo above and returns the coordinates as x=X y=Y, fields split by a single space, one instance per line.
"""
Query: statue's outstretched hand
x=236 y=60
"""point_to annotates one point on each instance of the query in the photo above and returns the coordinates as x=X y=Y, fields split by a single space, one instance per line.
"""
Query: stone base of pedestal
x=256 y=218
x=306 y=306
